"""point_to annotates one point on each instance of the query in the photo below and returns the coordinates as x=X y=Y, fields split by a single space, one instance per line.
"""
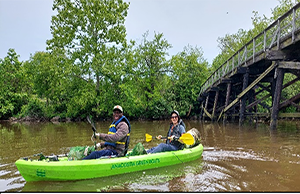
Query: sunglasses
x=174 y=117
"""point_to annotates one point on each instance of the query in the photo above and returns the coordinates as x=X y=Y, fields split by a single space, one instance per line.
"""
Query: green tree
x=189 y=71
x=13 y=85
x=149 y=67
x=92 y=34
x=50 y=78
x=283 y=7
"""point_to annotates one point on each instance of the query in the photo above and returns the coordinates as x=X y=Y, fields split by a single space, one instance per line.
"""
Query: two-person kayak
x=64 y=170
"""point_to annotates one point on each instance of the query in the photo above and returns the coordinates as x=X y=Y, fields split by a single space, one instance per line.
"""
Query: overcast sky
x=25 y=24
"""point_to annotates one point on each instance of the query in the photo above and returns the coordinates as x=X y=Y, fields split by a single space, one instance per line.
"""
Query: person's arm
x=182 y=131
x=122 y=131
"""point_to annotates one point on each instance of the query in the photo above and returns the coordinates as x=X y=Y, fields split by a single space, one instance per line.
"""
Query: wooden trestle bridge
x=243 y=87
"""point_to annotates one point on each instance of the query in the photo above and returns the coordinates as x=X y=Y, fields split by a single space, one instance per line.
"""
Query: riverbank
x=78 y=119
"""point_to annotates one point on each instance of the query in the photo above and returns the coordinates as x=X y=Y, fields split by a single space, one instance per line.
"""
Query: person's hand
x=159 y=137
x=95 y=135
x=172 y=137
x=86 y=151
x=98 y=145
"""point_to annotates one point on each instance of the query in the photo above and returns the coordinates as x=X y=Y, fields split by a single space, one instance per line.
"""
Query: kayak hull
x=64 y=170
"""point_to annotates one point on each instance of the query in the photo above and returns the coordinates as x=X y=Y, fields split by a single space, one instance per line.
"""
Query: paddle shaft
x=93 y=128
x=167 y=138
x=163 y=138
x=93 y=125
x=186 y=138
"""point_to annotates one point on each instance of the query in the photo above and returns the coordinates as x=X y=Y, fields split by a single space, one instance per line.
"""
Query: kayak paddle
x=149 y=137
x=93 y=125
x=93 y=128
x=186 y=138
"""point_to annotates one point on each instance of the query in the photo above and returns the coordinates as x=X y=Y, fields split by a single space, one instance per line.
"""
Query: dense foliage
x=89 y=67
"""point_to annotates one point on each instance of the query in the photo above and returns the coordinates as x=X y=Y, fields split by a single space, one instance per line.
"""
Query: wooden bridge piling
x=243 y=99
x=215 y=104
x=227 y=100
x=279 y=75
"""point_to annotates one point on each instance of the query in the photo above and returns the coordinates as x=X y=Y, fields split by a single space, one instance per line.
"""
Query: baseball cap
x=175 y=111
x=118 y=107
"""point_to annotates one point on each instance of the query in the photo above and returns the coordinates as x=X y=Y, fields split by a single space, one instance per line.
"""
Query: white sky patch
x=25 y=24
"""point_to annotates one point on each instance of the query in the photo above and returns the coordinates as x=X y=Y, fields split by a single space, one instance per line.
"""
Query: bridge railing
x=282 y=28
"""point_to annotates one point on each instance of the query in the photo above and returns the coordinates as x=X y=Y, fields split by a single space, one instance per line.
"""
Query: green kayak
x=64 y=170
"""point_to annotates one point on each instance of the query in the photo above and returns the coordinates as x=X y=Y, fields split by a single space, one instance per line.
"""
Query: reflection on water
x=235 y=158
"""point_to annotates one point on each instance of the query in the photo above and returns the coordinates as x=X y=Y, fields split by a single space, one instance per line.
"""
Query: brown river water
x=235 y=159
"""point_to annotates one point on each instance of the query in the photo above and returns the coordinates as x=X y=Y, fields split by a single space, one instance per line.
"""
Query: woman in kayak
x=117 y=140
x=177 y=128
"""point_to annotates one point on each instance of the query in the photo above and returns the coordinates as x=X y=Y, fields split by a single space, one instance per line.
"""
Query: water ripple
x=240 y=153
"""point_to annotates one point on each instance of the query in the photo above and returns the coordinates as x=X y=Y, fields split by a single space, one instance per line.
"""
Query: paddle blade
x=187 y=138
x=148 y=137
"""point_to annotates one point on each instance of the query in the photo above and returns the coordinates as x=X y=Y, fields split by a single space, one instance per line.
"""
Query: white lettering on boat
x=135 y=164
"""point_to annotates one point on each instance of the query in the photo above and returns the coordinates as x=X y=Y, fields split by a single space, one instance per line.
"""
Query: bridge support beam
x=252 y=109
x=205 y=107
x=279 y=75
x=201 y=111
x=227 y=101
x=243 y=99
x=215 y=105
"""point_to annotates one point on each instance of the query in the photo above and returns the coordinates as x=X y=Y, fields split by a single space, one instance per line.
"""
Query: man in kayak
x=116 y=140
x=177 y=128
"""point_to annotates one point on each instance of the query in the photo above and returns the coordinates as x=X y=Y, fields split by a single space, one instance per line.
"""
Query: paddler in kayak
x=177 y=128
x=116 y=140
